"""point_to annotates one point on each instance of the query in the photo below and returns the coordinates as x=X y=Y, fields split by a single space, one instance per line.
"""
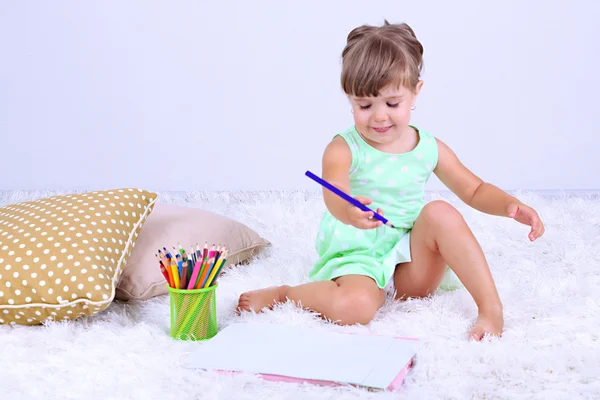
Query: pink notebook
x=314 y=355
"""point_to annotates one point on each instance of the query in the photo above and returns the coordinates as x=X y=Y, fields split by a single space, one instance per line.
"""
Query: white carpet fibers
x=550 y=289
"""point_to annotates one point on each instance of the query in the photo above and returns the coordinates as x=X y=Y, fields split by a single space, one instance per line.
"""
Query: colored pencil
x=184 y=275
x=193 y=253
x=215 y=272
x=163 y=270
x=190 y=269
x=175 y=272
x=219 y=253
x=203 y=274
x=178 y=258
x=348 y=198
x=194 y=277
x=205 y=251
x=209 y=265
x=198 y=252
x=196 y=269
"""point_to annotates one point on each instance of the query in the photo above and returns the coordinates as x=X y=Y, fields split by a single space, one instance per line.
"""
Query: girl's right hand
x=363 y=219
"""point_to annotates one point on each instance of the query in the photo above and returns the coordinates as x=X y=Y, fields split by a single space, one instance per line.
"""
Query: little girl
x=384 y=162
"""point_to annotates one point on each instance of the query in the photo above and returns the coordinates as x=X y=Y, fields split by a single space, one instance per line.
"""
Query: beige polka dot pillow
x=61 y=257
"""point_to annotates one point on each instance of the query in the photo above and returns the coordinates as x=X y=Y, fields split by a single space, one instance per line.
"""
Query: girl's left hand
x=527 y=216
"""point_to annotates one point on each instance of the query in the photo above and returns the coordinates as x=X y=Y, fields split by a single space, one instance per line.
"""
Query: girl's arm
x=471 y=189
x=337 y=160
x=481 y=195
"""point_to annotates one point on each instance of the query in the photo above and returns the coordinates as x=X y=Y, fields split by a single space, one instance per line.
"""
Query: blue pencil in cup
x=349 y=199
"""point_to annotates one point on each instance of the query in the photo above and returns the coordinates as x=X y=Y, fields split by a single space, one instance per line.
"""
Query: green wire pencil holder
x=193 y=313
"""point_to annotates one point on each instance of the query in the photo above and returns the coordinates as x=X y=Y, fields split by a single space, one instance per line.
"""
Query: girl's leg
x=441 y=237
x=346 y=300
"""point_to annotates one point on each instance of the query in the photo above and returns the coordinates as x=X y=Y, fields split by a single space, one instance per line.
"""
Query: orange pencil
x=203 y=275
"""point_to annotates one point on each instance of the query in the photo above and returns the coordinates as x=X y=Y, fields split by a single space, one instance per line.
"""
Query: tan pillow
x=61 y=257
x=170 y=225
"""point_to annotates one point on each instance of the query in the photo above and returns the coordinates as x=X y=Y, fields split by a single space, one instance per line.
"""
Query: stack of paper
x=280 y=352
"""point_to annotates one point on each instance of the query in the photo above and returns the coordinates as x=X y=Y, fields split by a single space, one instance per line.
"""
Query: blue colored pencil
x=344 y=196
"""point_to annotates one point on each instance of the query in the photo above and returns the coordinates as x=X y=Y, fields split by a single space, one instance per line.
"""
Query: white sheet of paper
x=308 y=353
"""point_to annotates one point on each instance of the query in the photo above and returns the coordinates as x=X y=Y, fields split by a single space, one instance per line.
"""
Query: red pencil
x=164 y=270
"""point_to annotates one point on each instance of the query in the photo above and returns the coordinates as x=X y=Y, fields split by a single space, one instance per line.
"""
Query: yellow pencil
x=175 y=272
x=213 y=273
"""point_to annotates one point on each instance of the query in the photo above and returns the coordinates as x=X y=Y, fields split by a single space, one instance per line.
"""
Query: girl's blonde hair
x=375 y=57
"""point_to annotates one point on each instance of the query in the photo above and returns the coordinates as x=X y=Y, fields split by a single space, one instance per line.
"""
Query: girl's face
x=383 y=119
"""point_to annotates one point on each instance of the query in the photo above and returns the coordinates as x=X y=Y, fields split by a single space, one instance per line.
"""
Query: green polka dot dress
x=395 y=183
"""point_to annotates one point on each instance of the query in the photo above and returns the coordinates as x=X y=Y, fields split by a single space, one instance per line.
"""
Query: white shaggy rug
x=550 y=289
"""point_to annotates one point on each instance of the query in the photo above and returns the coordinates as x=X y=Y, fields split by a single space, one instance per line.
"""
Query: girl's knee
x=356 y=306
x=439 y=212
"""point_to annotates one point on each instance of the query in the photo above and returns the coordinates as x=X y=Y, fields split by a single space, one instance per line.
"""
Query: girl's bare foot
x=258 y=299
x=490 y=321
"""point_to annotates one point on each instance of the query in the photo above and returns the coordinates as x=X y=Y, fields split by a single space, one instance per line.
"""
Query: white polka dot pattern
x=61 y=257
